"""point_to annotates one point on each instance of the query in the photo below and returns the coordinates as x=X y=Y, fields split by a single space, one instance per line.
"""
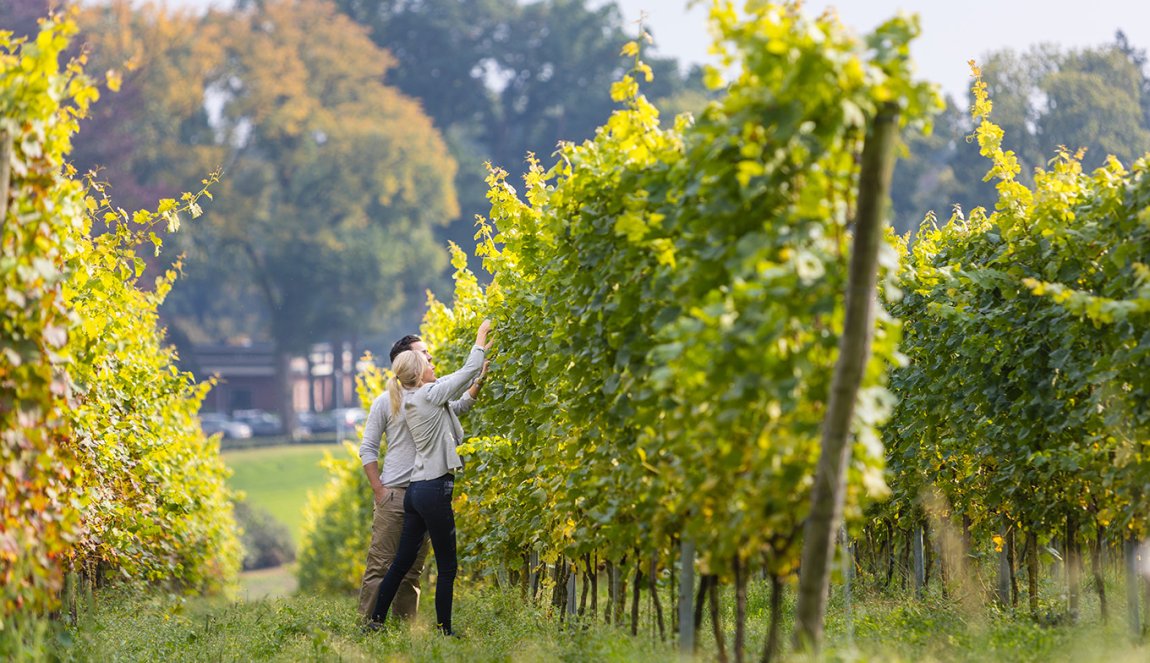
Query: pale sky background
x=953 y=31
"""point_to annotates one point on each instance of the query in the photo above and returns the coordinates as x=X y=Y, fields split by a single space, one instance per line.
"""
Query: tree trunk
x=1032 y=571
x=868 y=557
x=618 y=603
x=890 y=547
x=284 y=392
x=558 y=587
x=1133 y=609
x=1096 y=553
x=311 y=406
x=772 y=646
x=700 y=600
x=635 y=595
x=904 y=564
x=1073 y=564
x=829 y=488
x=612 y=594
x=584 y=587
x=653 y=582
x=716 y=627
x=5 y=174
x=740 y=609
x=535 y=584
x=595 y=587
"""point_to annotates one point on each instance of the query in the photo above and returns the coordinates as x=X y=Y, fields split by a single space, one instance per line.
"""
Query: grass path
x=278 y=479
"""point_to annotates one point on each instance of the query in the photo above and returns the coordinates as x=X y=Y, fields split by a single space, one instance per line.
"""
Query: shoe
x=372 y=627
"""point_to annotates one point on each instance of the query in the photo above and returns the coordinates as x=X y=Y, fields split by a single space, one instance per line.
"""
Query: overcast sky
x=953 y=31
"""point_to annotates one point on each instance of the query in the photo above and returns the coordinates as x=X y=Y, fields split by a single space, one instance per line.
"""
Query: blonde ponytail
x=394 y=393
x=407 y=373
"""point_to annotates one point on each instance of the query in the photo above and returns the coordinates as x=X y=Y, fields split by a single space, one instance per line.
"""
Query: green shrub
x=337 y=528
x=266 y=541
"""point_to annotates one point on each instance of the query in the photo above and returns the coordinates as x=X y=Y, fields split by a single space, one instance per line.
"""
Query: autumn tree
x=333 y=182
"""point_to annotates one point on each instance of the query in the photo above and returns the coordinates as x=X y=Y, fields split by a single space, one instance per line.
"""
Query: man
x=389 y=486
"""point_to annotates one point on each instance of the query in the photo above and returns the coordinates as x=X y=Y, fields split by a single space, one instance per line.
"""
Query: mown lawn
x=278 y=479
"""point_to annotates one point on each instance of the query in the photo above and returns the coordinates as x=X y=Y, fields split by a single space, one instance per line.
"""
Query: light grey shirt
x=434 y=424
x=400 y=456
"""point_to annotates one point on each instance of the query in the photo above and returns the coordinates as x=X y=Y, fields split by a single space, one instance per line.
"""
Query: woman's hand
x=481 y=335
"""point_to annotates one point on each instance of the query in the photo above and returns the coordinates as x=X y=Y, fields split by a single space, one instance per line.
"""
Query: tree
x=333 y=181
x=154 y=133
x=443 y=50
x=503 y=78
x=21 y=16
x=558 y=69
x=925 y=180
x=1094 y=98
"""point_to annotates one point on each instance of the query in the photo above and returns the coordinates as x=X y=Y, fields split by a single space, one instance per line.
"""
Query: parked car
x=340 y=420
x=349 y=417
x=316 y=422
x=218 y=422
x=261 y=421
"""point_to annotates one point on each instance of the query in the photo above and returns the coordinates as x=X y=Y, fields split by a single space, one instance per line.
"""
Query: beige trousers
x=386 y=528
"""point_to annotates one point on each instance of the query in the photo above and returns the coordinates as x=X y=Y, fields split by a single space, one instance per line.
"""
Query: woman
x=435 y=427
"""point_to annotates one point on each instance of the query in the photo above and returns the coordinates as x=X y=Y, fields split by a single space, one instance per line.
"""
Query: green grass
x=278 y=479
x=496 y=627
x=501 y=626
x=268 y=583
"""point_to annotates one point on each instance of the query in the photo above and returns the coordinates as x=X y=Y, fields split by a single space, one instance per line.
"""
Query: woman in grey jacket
x=436 y=430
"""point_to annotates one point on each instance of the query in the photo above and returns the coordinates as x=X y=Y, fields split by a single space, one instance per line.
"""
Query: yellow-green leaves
x=105 y=464
x=1028 y=333
x=669 y=304
x=43 y=221
x=625 y=89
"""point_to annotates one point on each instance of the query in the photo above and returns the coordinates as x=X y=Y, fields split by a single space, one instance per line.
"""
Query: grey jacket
x=434 y=424
x=400 y=456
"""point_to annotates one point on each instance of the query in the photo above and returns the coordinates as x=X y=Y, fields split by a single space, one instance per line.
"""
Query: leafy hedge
x=1026 y=400
x=337 y=528
x=106 y=470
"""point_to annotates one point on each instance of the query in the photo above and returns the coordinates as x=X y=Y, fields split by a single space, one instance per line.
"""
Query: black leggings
x=426 y=511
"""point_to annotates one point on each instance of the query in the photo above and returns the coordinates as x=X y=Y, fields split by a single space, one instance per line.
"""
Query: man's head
x=404 y=344
x=410 y=342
